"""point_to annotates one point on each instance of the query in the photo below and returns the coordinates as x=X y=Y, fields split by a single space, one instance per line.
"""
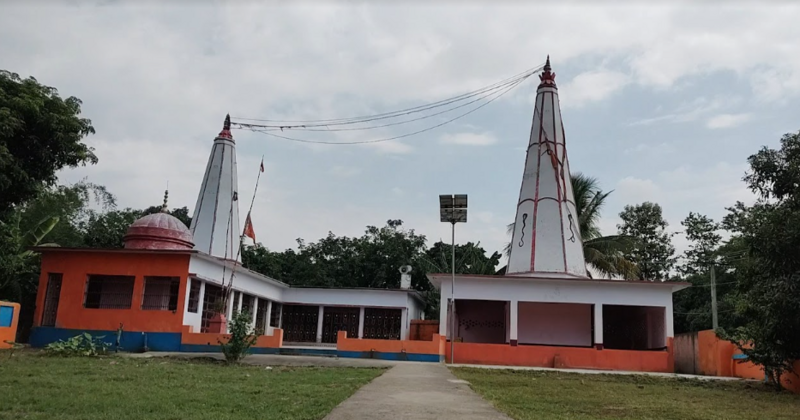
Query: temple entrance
x=628 y=327
x=335 y=319
x=300 y=323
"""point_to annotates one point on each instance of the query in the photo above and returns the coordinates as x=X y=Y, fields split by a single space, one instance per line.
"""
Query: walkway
x=416 y=391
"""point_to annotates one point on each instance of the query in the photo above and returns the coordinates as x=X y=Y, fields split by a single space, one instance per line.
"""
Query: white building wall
x=563 y=291
x=194 y=319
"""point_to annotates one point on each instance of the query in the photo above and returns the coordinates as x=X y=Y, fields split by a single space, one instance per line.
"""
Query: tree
x=40 y=133
x=770 y=283
x=692 y=306
x=604 y=253
x=652 y=251
x=19 y=265
x=106 y=230
x=701 y=231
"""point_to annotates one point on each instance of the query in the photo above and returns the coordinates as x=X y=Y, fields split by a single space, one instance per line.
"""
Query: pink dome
x=158 y=231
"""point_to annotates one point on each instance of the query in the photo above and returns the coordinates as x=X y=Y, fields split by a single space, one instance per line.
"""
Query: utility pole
x=714 y=317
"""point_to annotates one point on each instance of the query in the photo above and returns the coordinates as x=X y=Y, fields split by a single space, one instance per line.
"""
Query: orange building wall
x=8 y=334
x=561 y=357
x=434 y=346
x=76 y=266
x=212 y=339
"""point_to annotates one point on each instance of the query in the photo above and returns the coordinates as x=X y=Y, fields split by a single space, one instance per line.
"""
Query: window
x=261 y=315
x=194 y=295
x=275 y=316
x=108 y=292
x=235 y=303
x=51 y=298
x=247 y=303
x=161 y=293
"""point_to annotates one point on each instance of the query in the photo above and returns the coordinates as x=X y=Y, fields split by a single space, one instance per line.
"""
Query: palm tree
x=603 y=253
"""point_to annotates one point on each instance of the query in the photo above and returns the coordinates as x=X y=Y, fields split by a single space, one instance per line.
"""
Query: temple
x=174 y=288
x=545 y=310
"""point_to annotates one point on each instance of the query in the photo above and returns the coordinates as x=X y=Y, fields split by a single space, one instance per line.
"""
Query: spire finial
x=547 y=77
x=166 y=195
x=226 y=128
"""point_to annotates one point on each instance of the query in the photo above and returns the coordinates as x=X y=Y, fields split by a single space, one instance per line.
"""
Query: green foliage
x=241 y=337
x=652 y=251
x=19 y=265
x=701 y=231
x=769 y=283
x=40 y=133
x=80 y=345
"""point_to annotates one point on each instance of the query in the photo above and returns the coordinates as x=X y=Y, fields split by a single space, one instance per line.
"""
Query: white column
x=230 y=304
x=403 y=324
x=361 y=322
x=241 y=299
x=255 y=311
x=443 y=322
x=202 y=297
x=668 y=315
x=186 y=298
x=512 y=336
x=319 y=323
x=598 y=325
x=268 y=316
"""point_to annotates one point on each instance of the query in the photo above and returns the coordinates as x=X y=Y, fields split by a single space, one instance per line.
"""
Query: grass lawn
x=556 y=395
x=34 y=386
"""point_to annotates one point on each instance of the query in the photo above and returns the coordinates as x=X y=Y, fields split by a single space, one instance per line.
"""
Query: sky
x=661 y=101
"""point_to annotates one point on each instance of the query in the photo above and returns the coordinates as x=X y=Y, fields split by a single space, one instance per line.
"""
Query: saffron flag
x=248 y=228
x=262 y=164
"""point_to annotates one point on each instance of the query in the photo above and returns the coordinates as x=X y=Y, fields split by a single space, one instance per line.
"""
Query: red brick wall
x=423 y=330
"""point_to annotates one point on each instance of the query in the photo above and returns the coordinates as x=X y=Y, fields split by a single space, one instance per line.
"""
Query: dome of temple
x=158 y=231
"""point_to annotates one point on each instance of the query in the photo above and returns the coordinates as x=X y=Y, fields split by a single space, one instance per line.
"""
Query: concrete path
x=416 y=391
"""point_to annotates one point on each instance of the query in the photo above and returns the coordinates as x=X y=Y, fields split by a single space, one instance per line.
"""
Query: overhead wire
x=328 y=129
x=366 y=118
x=497 y=95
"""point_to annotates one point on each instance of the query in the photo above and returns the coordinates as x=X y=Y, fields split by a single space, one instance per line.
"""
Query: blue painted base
x=130 y=341
x=158 y=341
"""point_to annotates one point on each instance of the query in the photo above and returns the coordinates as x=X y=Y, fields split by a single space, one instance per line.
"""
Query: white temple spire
x=547 y=237
x=215 y=224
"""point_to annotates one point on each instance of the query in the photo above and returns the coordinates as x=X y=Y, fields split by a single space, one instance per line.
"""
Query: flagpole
x=247 y=221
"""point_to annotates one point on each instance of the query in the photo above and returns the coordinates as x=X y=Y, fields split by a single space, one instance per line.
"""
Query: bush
x=241 y=338
x=80 y=345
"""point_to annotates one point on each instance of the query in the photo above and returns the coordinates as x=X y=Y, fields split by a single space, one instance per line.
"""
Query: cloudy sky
x=661 y=101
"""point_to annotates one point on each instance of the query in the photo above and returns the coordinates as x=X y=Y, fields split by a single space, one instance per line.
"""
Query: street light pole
x=453 y=293
x=453 y=209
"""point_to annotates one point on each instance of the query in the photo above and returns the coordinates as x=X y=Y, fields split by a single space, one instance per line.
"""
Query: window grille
x=194 y=295
x=51 y=298
x=161 y=293
x=275 y=316
x=108 y=292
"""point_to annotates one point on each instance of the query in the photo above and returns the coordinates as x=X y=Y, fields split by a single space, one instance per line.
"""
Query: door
x=382 y=323
x=300 y=323
x=51 y=298
x=335 y=319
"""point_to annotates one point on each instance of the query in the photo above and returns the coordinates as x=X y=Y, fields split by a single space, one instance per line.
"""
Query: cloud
x=727 y=120
x=469 y=139
x=692 y=110
x=592 y=86
x=345 y=171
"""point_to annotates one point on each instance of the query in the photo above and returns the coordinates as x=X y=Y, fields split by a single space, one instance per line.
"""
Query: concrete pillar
x=514 y=318
x=268 y=316
x=598 y=326
x=255 y=311
x=404 y=324
x=361 y=322
x=241 y=299
x=319 y=323
x=202 y=297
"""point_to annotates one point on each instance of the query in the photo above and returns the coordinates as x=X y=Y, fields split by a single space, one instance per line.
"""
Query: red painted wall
x=423 y=330
x=561 y=357
x=434 y=346
x=75 y=267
